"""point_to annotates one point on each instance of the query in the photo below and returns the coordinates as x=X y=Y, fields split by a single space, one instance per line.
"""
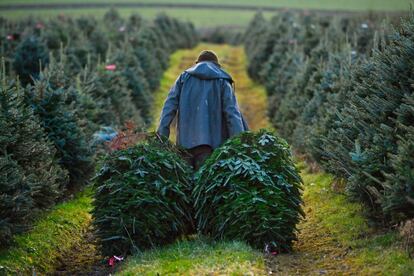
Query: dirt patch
x=84 y=258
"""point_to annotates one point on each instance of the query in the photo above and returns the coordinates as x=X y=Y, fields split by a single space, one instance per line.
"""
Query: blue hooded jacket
x=207 y=112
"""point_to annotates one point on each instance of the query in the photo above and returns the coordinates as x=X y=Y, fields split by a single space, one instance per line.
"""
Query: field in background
x=200 y=18
x=223 y=12
x=384 y=5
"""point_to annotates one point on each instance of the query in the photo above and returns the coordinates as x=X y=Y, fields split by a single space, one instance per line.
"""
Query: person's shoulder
x=226 y=81
x=182 y=77
x=226 y=75
x=226 y=84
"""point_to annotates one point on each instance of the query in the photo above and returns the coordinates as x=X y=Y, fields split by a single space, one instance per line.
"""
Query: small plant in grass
x=141 y=196
x=249 y=189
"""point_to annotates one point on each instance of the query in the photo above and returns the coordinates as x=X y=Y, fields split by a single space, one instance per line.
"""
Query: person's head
x=208 y=55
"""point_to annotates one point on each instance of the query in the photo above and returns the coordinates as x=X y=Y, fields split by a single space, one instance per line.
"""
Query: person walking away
x=203 y=100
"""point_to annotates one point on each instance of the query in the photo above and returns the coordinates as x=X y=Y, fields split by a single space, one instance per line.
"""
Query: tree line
x=341 y=92
x=62 y=80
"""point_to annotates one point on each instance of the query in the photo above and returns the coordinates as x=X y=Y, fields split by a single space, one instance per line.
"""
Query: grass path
x=55 y=231
x=251 y=97
x=195 y=256
x=334 y=239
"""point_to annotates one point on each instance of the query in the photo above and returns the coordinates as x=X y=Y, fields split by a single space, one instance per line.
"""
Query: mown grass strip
x=54 y=232
x=200 y=18
x=197 y=257
x=354 y=5
x=250 y=96
x=336 y=239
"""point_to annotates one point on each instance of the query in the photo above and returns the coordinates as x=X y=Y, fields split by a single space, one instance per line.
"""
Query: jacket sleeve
x=233 y=117
x=170 y=108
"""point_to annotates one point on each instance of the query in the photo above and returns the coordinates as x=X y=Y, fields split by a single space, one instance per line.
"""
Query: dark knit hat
x=207 y=55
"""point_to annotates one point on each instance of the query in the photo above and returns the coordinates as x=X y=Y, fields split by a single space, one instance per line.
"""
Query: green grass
x=340 y=217
x=388 y=5
x=53 y=232
x=200 y=18
x=209 y=17
x=342 y=227
x=197 y=257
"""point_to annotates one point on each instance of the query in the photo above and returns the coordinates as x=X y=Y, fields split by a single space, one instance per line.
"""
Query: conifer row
x=64 y=79
x=340 y=91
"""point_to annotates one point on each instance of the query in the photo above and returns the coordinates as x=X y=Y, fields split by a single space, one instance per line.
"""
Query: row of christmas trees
x=61 y=81
x=341 y=92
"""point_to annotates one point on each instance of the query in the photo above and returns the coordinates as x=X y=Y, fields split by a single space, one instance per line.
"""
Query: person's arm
x=234 y=119
x=170 y=108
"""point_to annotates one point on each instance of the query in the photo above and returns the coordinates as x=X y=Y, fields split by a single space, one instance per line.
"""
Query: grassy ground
x=334 y=239
x=198 y=257
x=200 y=18
x=53 y=233
x=205 y=17
x=386 y=5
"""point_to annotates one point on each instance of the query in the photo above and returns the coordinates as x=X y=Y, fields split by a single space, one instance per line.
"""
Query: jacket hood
x=207 y=70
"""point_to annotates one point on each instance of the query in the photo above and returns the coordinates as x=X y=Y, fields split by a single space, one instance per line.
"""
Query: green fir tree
x=31 y=178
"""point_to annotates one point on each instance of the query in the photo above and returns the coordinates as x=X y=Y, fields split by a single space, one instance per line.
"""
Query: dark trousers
x=198 y=155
